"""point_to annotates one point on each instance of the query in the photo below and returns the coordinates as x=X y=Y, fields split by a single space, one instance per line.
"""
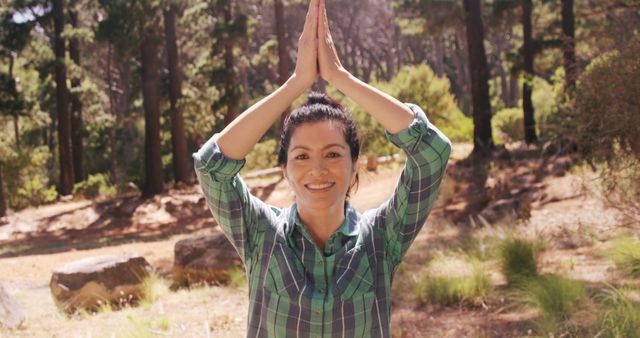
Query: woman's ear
x=283 y=168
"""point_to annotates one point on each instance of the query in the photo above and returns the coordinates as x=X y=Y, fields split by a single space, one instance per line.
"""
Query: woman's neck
x=322 y=223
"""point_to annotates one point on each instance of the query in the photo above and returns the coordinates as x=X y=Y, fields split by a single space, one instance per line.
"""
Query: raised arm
x=391 y=113
x=239 y=137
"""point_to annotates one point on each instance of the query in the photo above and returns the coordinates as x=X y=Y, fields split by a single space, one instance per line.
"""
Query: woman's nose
x=319 y=168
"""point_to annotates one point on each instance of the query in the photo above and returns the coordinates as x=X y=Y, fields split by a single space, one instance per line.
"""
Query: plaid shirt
x=295 y=290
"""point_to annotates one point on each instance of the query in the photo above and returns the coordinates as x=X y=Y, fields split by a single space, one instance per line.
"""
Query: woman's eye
x=333 y=154
x=301 y=157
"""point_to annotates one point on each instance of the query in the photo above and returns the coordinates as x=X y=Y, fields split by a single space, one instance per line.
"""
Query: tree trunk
x=16 y=125
x=482 y=139
x=527 y=104
x=569 y=45
x=439 y=50
x=233 y=107
x=513 y=90
x=76 y=106
x=151 y=102
x=3 y=200
x=178 y=137
x=62 y=103
x=112 y=131
x=283 y=54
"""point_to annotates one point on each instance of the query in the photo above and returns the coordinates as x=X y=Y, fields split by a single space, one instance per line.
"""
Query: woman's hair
x=320 y=107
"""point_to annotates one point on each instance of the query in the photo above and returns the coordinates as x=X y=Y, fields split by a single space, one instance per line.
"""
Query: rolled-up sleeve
x=404 y=214
x=237 y=212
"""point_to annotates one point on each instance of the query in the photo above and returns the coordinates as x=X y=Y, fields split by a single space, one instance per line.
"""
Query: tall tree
x=569 y=44
x=283 y=51
x=149 y=50
x=178 y=137
x=527 y=87
x=482 y=138
x=62 y=102
x=3 y=199
x=229 y=32
x=77 y=148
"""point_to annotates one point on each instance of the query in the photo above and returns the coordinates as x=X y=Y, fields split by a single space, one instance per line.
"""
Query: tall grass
x=452 y=280
x=625 y=252
x=619 y=316
x=555 y=297
x=153 y=288
x=519 y=260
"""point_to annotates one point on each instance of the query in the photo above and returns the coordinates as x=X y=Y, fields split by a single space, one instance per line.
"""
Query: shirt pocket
x=284 y=275
x=353 y=274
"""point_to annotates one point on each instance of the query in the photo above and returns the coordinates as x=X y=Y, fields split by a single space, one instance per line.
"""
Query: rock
x=561 y=165
x=204 y=259
x=92 y=282
x=11 y=314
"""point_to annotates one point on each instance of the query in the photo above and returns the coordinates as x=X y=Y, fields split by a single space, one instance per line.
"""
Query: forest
x=106 y=101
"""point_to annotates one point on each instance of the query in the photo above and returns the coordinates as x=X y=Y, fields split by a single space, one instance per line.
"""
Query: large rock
x=204 y=259
x=89 y=283
x=11 y=314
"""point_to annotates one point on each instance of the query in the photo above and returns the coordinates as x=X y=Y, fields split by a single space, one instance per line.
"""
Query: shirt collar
x=348 y=228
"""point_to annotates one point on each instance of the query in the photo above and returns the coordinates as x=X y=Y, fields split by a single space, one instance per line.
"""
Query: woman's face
x=319 y=165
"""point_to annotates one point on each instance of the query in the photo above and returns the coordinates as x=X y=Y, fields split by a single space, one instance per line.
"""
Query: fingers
x=324 y=22
x=311 y=21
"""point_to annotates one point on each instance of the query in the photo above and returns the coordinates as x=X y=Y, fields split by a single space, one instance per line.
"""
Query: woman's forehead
x=318 y=135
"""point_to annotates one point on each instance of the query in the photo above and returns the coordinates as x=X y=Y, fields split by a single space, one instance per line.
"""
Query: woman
x=319 y=268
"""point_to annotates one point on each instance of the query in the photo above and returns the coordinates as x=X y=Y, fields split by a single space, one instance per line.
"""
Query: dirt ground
x=33 y=242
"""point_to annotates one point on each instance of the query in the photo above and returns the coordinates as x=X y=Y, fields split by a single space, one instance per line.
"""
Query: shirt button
x=321 y=262
x=318 y=311
x=321 y=290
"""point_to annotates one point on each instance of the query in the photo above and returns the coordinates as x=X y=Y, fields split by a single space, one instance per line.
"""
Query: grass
x=154 y=287
x=619 y=316
x=237 y=277
x=519 y=260
x=625 y=252
x=452 y=280
x=555 y=297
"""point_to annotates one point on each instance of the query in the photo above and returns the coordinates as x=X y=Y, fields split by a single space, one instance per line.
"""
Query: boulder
x=204 y=259
x=92 y=282
x=11 y=314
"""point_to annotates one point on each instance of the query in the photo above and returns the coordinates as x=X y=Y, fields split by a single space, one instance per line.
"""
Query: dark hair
x=320 y=107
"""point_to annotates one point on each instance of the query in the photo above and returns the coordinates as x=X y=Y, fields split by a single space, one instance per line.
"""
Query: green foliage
x=508 y=124
x=452 y=280
x=419 y=85
x=518 y=260
x=556 y=299
x=619 y=316
x=237 y=277
x=95 y=185
x=625 y=252
x=262 y=156
x=27 y=180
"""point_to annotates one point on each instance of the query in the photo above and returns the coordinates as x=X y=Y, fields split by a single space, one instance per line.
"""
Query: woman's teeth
x=319 y=186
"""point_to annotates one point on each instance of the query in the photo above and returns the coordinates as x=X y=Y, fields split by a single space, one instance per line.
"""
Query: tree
x=569 y=44
x=527 y=88
x=62 y=103
x=482 y=138
x=3 y=199
x=77 y=148
x=178 y=137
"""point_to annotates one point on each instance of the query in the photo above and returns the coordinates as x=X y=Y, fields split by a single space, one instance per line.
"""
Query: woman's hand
x=306 y=71
x=330 y=66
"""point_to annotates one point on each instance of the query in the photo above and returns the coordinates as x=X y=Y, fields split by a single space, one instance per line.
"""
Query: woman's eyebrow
x=325 y=147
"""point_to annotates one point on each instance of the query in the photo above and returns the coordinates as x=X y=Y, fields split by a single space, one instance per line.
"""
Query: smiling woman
x=319 y=267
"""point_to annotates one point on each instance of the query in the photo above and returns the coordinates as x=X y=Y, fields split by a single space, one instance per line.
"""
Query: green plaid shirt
x=295 y=290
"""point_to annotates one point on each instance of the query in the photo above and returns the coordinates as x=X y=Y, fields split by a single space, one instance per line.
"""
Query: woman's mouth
x=319 y=186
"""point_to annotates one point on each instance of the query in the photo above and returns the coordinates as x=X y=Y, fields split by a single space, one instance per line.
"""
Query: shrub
x=518 y=260
x=451 y=280
x=618 y=315
x=26 y=178
x=556 y=299
x=625 y=252
x=95 y=185
x=508 y=124
x=262 y=156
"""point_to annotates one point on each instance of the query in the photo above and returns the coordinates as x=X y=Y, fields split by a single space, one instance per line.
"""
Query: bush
x=518 y=260
x=95 y=185
x=608 y=116
x=556 y=299
x=508 y=125
x=26 y=178
x=262 y=156
x=419 y=85
x=618 y=316
x=452 y=280
x=625 y=252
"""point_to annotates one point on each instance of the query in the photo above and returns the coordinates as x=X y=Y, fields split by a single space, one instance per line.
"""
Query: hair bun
x=318 y=97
